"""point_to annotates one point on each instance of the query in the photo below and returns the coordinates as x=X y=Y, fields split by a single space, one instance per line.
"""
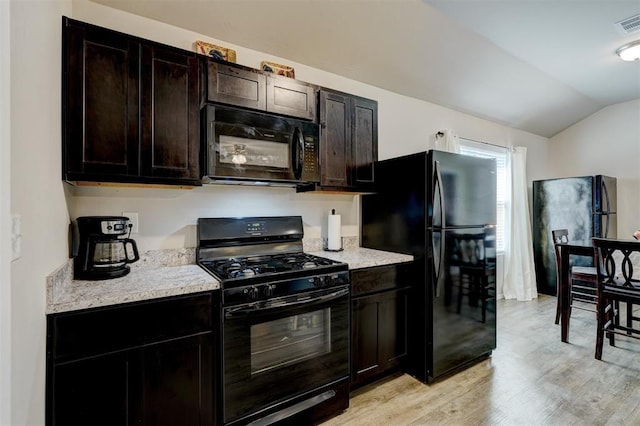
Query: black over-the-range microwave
x=248 y=147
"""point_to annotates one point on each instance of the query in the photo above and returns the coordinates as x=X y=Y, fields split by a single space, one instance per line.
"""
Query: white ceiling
x=535 y=65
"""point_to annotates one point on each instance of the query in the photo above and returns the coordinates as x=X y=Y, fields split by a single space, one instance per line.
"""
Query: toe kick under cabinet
x=146 y=363
x=379 y=320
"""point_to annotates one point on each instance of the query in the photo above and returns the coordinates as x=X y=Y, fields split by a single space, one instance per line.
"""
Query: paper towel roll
x=334 y=240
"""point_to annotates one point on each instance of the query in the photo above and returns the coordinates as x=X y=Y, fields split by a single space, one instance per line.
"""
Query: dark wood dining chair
x=583 y=280
x=618 y=281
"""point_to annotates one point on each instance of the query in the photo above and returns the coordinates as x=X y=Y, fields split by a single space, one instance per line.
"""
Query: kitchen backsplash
x=167 y=217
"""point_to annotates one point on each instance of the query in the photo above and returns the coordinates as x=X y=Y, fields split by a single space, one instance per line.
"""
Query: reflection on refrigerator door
x=464 y=310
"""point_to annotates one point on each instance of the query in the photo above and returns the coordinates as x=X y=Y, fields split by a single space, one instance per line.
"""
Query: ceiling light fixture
x=630 y=51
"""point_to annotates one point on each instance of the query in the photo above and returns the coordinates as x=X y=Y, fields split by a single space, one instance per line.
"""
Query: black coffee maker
x=102 y=254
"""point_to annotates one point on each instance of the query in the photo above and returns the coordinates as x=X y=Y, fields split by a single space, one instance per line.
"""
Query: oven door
x=277 y=350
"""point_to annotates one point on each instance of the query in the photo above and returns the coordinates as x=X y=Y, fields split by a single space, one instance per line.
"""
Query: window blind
x=501 y=155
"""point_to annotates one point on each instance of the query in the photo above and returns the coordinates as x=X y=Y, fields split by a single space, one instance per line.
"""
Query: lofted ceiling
x=535 y=65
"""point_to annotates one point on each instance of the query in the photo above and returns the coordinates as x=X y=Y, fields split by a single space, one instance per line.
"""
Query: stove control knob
x=267 y=290
x=318 y=282
x=251 y=293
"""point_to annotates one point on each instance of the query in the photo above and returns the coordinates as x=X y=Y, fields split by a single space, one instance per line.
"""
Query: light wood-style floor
x=532 y=378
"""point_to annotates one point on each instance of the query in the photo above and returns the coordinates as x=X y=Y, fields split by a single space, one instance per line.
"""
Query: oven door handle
x=256 y=309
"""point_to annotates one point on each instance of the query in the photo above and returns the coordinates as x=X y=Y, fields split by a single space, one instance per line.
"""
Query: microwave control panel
x=310 y=157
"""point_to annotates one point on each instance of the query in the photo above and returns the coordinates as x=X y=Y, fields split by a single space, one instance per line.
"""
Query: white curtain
x=520 y=276
x=448 y=142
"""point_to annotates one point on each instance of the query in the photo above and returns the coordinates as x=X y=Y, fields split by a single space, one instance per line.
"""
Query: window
x=501 y=154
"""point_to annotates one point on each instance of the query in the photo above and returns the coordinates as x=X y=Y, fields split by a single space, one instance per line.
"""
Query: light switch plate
x=16 y=237
x=133 y=219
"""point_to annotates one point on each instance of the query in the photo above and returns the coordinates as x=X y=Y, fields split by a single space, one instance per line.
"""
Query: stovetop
x=263 y=256
x=263 y=268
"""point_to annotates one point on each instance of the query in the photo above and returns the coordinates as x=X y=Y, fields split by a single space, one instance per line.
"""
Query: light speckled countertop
x=159 y=273
x=162 y=273
x=360 y=257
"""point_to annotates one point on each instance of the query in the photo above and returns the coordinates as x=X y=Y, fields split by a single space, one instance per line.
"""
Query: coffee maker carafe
x=102 y=254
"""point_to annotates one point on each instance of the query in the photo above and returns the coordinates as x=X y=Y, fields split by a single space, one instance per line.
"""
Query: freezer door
x=461 y=281
x=462 y=191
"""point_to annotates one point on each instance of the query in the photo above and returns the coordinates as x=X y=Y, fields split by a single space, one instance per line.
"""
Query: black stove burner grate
x=251 y=266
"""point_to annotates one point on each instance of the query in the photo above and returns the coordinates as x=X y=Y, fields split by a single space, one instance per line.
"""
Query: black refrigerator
x=585 y=206
x=441 y=208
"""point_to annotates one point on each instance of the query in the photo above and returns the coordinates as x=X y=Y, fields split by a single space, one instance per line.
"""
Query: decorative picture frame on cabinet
x=215 y=51
x=278 y=69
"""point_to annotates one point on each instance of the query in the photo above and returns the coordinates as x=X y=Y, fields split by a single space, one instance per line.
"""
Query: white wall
x=37 y=193
x=607 y=143
x=167 y=217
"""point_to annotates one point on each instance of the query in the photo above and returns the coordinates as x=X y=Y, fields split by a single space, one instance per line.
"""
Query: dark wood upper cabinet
x=170 y=114
x=291 y=97
x=246 y=87
x=130 y=108
x=335 y=139
x=100 y=95
x=236 y=85
x=364 y=141
x=348 y=140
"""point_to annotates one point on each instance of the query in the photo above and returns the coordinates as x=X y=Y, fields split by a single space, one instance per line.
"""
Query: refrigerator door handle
x=438 y=271
x=438 y=185
x=605 y=192
x=605 y=208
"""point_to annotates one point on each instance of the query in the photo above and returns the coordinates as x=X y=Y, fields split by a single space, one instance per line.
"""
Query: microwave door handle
x=298 y=153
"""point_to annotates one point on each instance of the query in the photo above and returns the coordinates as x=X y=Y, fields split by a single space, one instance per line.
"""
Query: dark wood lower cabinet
x=379 y=322
x=164 y=378
x=176 y=379
x=91 y=391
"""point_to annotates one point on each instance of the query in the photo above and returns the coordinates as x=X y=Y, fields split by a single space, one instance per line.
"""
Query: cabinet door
x=365 y=361
x=364 y=142
x=290 y=97
x=392 y=328
x=335 y=138
x=379 y=333
x=176 y=382
x=100 y=103
x=92 y=391
x=235 y=85
x=169 y=100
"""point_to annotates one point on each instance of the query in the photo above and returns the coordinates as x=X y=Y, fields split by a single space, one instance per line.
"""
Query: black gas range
x=284 y=318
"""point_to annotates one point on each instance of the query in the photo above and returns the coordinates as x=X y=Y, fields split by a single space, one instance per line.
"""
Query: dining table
x=572 y=248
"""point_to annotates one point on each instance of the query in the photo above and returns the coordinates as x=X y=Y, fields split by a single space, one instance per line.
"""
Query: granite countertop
x=360 y=257
x=163 y=273
x=159 y=273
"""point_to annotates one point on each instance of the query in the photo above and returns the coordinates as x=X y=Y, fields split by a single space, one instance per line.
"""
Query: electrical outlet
x=133 y=219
